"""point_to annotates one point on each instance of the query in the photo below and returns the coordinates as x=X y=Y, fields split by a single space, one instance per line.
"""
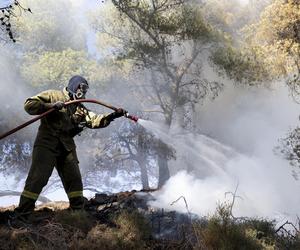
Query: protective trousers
x=43 y=162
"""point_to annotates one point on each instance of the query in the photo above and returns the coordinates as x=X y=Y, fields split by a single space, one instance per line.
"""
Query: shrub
x=222 y=232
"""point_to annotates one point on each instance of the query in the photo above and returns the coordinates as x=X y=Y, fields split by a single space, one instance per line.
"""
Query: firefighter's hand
x=58 y=105
x=120 y=112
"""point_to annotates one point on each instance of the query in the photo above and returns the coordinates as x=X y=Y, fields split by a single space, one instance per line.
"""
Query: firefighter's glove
x=57 y=105
x=118 y=113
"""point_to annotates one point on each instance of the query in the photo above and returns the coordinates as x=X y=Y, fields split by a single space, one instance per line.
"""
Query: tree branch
x=41 y=198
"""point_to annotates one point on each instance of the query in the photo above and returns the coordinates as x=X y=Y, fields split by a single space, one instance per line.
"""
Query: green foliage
x=54 y=69
x=222 y=232
x=195 y=27
x=266 y=227
x=168 y=39
x=232 y=16
x=167 y=24
x=267 y=45
x=53 y=46
x=167 y=42
x=241 y=66
x=272 y=43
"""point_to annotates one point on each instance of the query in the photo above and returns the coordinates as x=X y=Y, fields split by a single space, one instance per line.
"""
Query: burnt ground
x=118 y=221
x=126 y=221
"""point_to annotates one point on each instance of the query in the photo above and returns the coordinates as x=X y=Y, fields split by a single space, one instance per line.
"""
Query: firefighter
x=54 y=145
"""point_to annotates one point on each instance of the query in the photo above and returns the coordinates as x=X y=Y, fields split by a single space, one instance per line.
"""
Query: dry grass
x=223 y=232
x=80 y=220
x=79 y=230
x=130 y=232
x=127 y=229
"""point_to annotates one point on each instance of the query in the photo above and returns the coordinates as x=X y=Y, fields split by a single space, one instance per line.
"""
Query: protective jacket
x=54 y=147
x=64 y=124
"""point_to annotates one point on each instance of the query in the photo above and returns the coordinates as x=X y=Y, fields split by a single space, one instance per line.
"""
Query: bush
x=223 y=233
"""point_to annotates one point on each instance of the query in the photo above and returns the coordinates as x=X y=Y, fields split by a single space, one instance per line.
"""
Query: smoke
x=53 y=26
x=243 y=2
x=234 y=149
x=246 y=124
x=250 y=121
x=15 y=88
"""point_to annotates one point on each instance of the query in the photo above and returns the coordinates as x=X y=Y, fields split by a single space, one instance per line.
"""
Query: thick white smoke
x=250 y=121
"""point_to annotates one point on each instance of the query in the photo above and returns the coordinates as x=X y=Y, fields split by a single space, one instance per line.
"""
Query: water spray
x=127 y=115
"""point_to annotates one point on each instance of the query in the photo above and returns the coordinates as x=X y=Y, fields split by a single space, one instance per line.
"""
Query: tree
x=7 y=13
x=53 y=49
x=49 y=59
x=277 y=36
x=166 y=41
x=269 y=49
x=132 y=147
x=50 y=68
x=289 y=148
x=53 y=26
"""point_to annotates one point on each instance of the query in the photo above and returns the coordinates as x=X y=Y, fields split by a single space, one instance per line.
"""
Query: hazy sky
x=5 y=2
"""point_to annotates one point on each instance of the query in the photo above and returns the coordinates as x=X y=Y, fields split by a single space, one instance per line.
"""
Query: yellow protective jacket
x=63 y=125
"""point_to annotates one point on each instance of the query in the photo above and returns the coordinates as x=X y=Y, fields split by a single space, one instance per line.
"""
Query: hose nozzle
x=131 y=117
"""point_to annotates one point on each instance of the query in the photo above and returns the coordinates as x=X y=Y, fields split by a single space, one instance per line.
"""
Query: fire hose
x=127 y=115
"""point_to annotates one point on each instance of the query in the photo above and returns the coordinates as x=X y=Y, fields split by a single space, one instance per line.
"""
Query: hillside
x=125 y=221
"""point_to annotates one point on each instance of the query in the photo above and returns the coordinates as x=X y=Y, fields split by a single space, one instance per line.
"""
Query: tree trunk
x=162 y=161
x=141 y=159
x=163 y=170
x=144 y=174
x=179 y=121
x=162 y=158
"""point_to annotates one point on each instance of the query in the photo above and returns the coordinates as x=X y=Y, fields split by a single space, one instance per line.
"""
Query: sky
x=4 y=3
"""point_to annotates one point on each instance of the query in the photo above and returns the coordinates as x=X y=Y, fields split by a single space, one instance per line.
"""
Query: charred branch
x=3 y=193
